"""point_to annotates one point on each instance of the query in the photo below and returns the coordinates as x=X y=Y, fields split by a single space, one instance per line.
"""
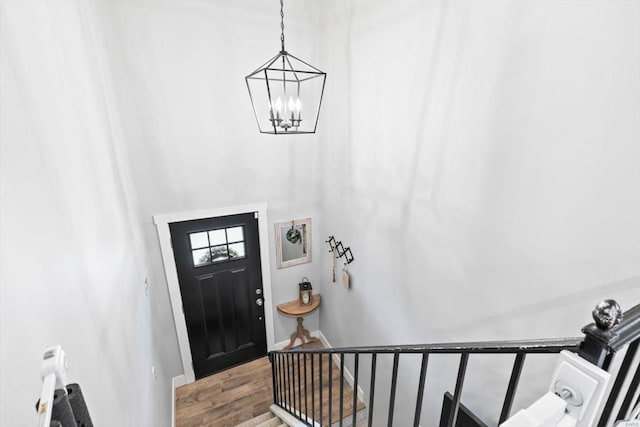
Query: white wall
x=483 y=164
x=71 y=266
x=147 y=102
x=178 y=74
x=480 y=158
x=162 y=121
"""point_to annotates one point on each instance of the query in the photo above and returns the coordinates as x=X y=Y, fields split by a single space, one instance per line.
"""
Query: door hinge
x=256 y=215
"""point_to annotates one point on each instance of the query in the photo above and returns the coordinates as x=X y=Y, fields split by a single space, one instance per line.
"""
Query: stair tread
x=255 y=421
x=273 y=422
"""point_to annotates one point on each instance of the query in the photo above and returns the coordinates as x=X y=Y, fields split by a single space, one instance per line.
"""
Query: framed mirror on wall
x=293 y=242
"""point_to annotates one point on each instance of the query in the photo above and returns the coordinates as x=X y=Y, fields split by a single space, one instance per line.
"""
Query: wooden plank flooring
x=241 y=393
x=227 y=398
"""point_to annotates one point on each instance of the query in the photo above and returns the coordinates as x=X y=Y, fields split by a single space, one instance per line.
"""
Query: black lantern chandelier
x=286 y=92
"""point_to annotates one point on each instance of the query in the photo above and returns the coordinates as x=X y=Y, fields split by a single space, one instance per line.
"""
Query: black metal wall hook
x=340 y=249
x=332 y=243
x=348 y=256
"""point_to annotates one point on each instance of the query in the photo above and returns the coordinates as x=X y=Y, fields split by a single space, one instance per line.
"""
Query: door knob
x=259 y=302
x=258 y=291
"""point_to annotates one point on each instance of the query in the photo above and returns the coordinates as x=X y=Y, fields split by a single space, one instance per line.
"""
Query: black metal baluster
x=281 y=375
x=299 y=391
x=394 y=383
x=329 y=362
x=273 y=377
x=278 y=357
x=276 y=379
x=511 y=389
x=617 y=385
x=423 y=376
x=283 y=389
x=280 y=379
x=341 y=388
x=306 y=408
x=372 y=388
x=292 y=388
x=285 y=373
x=633 y=386
x=287 y=380
x=320 y=376
x=455 y=405
x=355 y=388
x=313 y=391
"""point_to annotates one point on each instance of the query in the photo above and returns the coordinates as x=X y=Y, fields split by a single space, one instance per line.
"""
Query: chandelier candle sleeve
x=284 y=84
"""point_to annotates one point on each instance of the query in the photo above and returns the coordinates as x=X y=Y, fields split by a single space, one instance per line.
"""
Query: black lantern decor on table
x=286 y=92
x=305 y=291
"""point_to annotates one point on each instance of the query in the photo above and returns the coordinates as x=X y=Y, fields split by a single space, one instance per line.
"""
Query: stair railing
x=604 y=339
x=294 y=389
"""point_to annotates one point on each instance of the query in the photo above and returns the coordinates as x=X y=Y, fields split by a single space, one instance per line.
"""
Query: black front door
x=218 y=263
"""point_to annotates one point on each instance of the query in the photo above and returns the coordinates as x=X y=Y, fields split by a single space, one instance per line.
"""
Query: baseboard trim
x=324 y=340
x=176 y=382
x=336 y=360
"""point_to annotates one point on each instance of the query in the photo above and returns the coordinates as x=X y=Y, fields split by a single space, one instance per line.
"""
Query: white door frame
x=162 y=225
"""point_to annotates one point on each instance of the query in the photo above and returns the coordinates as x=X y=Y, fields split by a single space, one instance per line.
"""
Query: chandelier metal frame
x=284 y=76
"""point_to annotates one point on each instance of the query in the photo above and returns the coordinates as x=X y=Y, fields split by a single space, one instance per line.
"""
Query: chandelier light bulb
x=292 y=104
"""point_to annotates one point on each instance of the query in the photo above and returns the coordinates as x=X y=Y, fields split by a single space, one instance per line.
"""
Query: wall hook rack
x=340 y=249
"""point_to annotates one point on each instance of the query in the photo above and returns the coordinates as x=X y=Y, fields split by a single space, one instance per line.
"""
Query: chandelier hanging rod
x=282 y=25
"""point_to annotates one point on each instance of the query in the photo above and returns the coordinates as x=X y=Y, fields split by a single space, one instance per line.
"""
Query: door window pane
x=235 y=234
x=201 y=257
x=219 y=253
x=199 y=240
x=217 y=237
x=236 y=250
x=217 y=245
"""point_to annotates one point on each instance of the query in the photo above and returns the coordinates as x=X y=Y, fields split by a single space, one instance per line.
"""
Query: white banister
x=54 y=376
x=575 y=398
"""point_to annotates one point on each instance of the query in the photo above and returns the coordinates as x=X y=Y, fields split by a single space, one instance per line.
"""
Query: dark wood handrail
x=552 y=345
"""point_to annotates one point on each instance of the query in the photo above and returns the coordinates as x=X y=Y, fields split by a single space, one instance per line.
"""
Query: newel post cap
x=607 y=314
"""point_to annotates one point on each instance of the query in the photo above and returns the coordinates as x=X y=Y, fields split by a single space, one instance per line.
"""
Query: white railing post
x=54 y=376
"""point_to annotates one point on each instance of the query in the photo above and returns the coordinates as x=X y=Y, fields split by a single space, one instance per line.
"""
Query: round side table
x=296 y=309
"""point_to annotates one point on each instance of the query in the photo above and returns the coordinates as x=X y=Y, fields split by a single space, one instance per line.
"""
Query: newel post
x=596 y=347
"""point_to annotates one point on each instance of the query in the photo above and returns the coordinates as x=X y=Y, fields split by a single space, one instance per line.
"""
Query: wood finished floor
x=241 y=393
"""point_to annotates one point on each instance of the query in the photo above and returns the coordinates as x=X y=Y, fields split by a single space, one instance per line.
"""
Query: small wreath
x=293 y=235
